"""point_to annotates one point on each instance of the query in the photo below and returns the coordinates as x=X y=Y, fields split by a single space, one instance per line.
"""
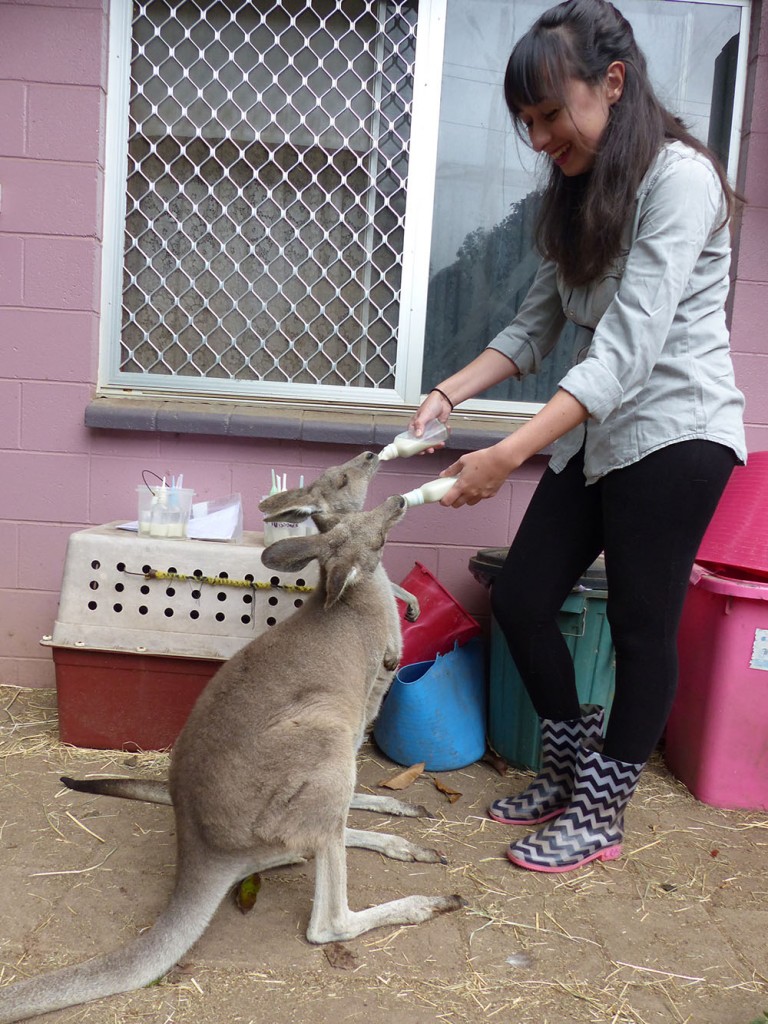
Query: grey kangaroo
x=338 y=491
x=243 y=801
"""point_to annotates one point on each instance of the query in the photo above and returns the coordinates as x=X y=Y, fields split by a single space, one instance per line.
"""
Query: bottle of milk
x=407 y=444
x=433 y=490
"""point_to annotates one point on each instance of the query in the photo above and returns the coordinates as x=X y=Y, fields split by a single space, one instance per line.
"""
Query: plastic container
x=442 y=622
x=736 y=541
x=513 y=725
x=164 y=511
x=432 y=490
x=717 y=733
x=143 y=624
x=435 y=711
x=407 y=443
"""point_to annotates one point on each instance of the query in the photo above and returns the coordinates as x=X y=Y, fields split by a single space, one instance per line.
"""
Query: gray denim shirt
x=655 y=365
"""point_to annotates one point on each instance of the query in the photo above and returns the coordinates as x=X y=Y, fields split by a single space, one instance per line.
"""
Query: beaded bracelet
x=444 y=396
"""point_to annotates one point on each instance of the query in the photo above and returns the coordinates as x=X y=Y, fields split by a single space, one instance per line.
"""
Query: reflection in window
x=482 y=261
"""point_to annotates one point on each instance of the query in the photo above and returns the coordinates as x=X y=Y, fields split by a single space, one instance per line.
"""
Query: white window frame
x=423 y=151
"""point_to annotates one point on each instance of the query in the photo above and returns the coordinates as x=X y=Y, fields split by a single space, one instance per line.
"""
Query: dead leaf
x=246 y=892
x=406 y=778
x=340 y=957
x=495 y=761
x=452 y=794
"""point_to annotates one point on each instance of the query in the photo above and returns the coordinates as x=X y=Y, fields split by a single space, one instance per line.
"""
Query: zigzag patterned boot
x=592 y=827
x=550 y=791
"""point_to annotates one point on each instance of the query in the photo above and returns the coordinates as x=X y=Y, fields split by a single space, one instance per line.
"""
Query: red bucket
x=736 y=541
x=441 y=624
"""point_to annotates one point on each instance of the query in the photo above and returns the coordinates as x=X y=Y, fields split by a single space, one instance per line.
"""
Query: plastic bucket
x=736 y=541
x=441 y=623
x=435 y=711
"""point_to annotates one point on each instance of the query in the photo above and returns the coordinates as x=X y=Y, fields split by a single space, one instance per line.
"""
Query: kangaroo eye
x=369 y=456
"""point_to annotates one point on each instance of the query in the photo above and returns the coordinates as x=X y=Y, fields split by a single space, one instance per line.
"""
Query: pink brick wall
x=58 y=476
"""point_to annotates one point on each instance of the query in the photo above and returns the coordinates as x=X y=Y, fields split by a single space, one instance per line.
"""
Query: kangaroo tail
x=146 y=958
x=148 y=791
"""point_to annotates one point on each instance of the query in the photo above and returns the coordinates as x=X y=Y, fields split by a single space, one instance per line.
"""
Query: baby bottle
x=407 y=444
x=433 y=490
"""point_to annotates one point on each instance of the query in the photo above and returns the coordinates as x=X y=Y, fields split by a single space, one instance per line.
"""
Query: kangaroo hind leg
x=333 y=921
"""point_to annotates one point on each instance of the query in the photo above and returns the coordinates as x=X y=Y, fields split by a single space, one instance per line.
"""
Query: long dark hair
x=581 y=217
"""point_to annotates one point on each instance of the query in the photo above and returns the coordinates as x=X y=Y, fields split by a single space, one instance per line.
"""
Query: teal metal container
x=513 y=725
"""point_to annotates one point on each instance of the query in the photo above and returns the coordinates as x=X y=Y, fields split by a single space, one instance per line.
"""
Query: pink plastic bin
x=717 y=735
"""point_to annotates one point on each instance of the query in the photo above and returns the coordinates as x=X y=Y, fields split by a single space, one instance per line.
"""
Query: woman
x=634 y=235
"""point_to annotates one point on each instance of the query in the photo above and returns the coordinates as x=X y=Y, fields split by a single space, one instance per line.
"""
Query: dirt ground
x=675 y=931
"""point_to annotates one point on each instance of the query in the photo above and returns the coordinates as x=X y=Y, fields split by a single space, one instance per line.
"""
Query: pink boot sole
x=609 y=853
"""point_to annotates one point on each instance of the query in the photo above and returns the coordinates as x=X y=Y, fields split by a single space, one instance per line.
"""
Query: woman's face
x=569 y=132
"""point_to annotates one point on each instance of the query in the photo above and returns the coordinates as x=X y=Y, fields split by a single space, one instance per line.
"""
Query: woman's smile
x=569 y=130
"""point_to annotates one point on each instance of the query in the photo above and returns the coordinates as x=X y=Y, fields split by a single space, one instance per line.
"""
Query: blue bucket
x=436 y=711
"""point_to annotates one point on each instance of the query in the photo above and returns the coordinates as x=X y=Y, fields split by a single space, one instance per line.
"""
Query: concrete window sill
x=317 y=425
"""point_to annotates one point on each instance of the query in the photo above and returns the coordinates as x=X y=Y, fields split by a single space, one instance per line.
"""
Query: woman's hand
x=480 y=475
x=434 y=407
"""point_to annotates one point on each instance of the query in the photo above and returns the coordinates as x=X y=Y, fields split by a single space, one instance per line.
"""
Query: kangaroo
x=263 y=772
x=337 y=491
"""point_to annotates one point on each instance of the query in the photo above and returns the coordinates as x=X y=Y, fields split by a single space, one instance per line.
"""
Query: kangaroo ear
x=287 y=507
x=293 y=553
x=339 y=577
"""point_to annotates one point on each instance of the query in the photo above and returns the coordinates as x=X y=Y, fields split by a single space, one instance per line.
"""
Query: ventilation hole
x=172 y=568
x=245 y=619
x=194 y=614
x=249 y=577
x=144 y=589
x=143 y=609
x=196 y=594
x=93 y=605
x=274 y=581
x=198 y=573
x=271 y=621
x=95 y=564
x=171 y=592
x=120 y=566
x=248 y=599
x=119 y=587
x=168 y=613
x=220 y=616
x=146 y=568
x=93 y=585
x=117 y=607
x=223 y=575
x=301 y=583
x=298 y=603
x=272 y=600
x=221 y=596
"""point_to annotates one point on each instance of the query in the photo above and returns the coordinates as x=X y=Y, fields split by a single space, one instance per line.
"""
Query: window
x=303 y=205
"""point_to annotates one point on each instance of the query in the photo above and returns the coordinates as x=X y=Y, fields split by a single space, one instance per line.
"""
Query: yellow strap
x=224 y=581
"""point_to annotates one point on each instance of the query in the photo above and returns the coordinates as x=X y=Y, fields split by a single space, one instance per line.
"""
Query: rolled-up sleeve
x=675 y=218
x=536 y=328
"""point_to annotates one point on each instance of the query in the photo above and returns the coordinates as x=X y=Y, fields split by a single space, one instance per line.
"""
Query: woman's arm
x=489 y=368
x=482 y=473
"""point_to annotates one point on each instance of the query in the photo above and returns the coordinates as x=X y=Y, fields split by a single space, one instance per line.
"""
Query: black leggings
x=648 y=519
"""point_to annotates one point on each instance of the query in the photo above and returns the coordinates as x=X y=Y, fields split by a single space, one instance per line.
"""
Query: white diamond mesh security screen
x=267 y=165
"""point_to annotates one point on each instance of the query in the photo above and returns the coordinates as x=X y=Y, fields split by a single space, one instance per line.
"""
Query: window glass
x=482 y=260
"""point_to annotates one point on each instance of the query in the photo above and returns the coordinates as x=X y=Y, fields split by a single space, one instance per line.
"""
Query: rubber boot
x=550 y=791
x=592 y=827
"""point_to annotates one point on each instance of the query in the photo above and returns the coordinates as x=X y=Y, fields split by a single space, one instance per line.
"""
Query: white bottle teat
x=433 y=490
x=407 y=444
